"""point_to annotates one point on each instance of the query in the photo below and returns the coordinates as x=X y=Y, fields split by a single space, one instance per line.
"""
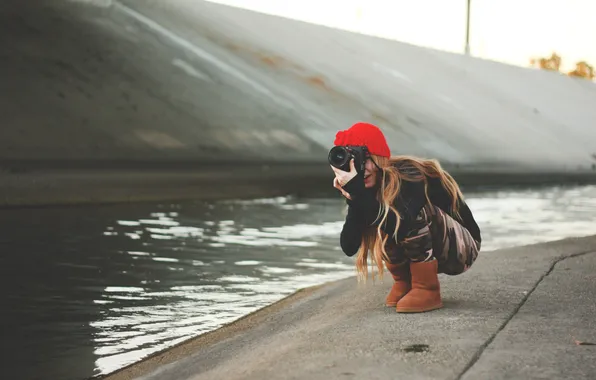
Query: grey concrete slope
x=185 y=80
x=515 y=314
x=83 y=82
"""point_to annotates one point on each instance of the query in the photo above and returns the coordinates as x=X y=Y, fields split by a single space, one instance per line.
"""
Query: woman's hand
x=342 y=191
x=342 y=177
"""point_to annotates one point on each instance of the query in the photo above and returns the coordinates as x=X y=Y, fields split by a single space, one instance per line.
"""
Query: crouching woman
x=405 y=213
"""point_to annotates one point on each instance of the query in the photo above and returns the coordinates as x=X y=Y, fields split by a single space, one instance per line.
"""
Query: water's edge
x=27 y=187
x=183 y=349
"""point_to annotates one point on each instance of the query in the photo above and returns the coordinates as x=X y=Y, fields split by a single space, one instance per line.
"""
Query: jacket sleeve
x=364 y=209
x=352 y=232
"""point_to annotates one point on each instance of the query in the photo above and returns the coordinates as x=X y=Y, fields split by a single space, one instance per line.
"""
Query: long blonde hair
x=393 y=172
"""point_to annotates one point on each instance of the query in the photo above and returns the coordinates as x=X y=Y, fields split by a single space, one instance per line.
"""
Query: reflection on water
x=104 y=287
x=511 y=219
x=236 y=258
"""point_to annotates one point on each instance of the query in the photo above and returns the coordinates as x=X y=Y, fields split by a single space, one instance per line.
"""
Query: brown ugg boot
x=426 y=293
x=402 y=284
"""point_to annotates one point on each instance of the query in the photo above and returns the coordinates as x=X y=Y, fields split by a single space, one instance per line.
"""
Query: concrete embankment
x=520 y=313
x=192 y=85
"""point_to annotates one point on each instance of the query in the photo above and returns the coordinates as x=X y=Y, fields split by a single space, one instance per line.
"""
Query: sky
x=510 y=31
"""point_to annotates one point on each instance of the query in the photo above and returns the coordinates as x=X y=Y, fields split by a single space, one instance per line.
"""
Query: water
x=89 y=290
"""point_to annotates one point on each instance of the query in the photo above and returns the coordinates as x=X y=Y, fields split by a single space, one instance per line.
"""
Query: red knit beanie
x=364 y=134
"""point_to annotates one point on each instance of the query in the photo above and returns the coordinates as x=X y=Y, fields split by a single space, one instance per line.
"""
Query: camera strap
x=373 y=161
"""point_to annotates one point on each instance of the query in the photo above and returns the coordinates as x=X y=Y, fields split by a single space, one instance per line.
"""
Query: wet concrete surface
x=341 y=330
x=113 y=183
x=29 y=187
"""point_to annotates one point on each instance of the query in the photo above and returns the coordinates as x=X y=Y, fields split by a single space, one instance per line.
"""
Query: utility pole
x=468 y=29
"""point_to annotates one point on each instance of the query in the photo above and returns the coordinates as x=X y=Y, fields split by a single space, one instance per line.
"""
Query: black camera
x=340 y=156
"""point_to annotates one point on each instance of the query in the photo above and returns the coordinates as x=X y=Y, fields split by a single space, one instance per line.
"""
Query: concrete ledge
x=76 y=186
x=513 y=304
x=50 y=183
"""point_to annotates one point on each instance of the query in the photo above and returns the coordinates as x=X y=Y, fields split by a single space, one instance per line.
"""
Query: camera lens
x=338 y=156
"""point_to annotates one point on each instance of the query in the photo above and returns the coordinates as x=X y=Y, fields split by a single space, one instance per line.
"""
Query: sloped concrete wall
x=156 y=81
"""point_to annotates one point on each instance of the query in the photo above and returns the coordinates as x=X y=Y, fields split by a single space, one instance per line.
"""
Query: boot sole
x=394 y=304
x=420 y=310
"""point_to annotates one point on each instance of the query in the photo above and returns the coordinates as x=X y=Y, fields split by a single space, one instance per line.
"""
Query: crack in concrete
x=482 y=348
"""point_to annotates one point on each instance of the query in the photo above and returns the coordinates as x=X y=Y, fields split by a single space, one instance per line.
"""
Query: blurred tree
x=582 y=69
x=551 y=63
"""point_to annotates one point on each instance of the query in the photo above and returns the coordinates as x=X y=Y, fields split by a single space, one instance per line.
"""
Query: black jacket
x=364 y=208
